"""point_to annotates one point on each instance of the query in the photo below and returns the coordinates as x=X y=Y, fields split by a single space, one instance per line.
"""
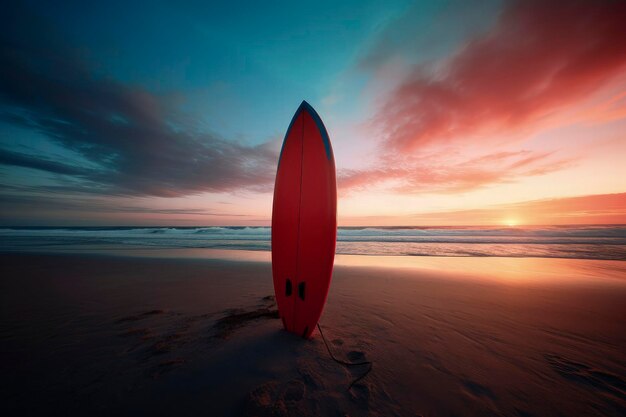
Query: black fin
x=288 y=288
x=301 y=287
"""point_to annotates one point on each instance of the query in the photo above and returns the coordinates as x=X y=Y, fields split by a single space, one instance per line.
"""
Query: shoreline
x=261 y=254
x=497 y=269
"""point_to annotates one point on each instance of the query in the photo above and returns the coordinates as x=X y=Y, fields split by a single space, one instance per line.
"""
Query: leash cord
x=344 y=363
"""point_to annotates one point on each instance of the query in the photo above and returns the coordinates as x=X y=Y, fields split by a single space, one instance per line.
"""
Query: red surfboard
x=304 y=222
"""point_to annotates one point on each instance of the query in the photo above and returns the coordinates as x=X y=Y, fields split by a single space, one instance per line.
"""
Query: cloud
x=139 y=142
x=433 y=28
x=30 y=161
x=440 y=174
x=539 y=57
x=34 y=206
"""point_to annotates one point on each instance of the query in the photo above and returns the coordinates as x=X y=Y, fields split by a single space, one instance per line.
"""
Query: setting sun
x=511 y=222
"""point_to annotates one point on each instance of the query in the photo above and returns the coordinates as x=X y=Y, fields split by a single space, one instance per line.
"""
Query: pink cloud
x=539 y=57
x=437 y=173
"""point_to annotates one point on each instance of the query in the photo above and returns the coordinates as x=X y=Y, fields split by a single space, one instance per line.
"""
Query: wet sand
x=106 y=335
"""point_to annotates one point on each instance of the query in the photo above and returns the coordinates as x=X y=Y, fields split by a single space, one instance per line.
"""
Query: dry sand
x=97 y=335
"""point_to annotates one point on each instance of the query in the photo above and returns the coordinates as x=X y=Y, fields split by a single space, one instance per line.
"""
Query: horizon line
x=339 y=227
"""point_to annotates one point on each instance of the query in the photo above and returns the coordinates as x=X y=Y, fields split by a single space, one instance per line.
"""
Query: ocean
x=579 y=242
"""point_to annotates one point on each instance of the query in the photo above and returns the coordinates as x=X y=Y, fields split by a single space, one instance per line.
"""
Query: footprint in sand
x=356 y=356
x=294 y=391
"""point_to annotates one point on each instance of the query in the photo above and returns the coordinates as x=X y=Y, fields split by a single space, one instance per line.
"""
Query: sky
x=439 y=112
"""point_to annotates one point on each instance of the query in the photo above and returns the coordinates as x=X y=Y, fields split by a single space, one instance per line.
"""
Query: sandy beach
x=112 y=335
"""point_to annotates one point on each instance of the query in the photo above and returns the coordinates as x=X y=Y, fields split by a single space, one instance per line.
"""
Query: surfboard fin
x=288 y=288
x=301 y=287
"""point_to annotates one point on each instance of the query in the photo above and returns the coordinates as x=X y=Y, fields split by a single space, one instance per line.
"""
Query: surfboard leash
x=344 y=363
